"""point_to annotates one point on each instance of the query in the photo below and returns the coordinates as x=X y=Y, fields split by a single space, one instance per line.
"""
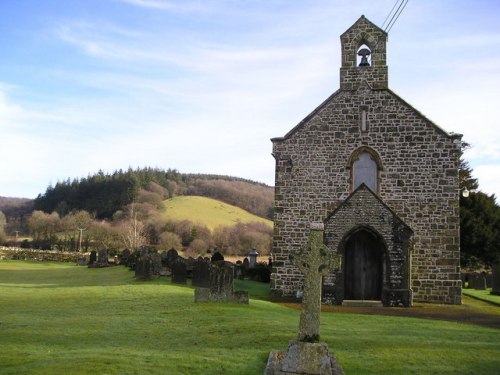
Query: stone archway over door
x=363 y=267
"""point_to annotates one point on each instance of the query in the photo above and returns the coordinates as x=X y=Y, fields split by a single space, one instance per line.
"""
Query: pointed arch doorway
x=363 y=266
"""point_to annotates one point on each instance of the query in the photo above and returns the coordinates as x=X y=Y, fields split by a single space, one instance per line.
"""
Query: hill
x=207 y=211
x=103 y=194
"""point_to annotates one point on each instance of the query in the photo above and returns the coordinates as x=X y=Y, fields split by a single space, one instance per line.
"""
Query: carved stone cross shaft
x=314 y=261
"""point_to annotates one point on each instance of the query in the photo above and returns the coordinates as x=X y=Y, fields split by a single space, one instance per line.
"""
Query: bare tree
x=132 y=231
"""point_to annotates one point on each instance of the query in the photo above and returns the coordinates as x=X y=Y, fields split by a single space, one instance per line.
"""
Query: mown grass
x=209 y=212
x=63 y=319
x=483 y=295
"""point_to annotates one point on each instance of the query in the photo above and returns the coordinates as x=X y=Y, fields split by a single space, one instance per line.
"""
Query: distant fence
x=16 y=253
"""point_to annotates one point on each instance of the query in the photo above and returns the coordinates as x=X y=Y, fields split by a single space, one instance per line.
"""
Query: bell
x=364 y=53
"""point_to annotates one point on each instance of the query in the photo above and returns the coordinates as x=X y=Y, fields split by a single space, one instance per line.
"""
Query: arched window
x=365 y=165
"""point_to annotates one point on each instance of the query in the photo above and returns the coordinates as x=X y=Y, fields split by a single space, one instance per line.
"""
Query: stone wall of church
x=418 y=181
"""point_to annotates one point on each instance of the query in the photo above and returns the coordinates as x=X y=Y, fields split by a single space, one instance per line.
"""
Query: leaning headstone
x=179 y=272
x=144 y=267
x=307 y=355
x=495 y=280
x=201 y=273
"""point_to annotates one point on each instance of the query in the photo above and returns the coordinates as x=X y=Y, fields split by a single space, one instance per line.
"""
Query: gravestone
x=164 y=258
x=221 y=286
x=489 y=280
x=477 y=281
x=93 y=257
x=124 y=256
x=216 y=257
x=201 y=273
x=179 y=271
x=221 y=281
x=171 y=257
x=102 y=257
x=307 y=355
x=144 y=267
x=156 y=259
x=495 y=282
x=238 y=270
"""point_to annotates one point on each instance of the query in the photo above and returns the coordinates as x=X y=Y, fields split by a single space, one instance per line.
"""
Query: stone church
x=383 y=180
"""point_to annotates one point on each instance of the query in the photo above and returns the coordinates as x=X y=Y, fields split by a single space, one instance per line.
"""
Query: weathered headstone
x=124 y=256
x=477 y=281
x=156 y=259
x=144 y=267
x=171 y=257
x=102 y=257
x=307 y=355
x=179 y=272
x=201 y=273
x=238 y=270
x=221 y=286
x=495 y=282
x=221 y=281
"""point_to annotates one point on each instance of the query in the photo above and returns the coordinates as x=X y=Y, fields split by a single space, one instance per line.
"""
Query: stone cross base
x=303 y=358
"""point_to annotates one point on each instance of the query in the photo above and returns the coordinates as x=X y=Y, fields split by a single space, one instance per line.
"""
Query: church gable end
x=364 y=133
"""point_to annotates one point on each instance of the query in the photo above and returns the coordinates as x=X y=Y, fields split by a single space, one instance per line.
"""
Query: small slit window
x=364 y=120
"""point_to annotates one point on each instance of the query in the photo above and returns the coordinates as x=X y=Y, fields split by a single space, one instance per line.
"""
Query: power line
x=386 y=18
x=396 y=15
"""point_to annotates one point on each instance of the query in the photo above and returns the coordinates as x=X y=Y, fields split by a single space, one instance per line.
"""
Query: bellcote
x=363 y=56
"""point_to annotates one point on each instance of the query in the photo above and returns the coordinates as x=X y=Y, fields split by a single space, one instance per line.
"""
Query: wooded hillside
x=104 y=194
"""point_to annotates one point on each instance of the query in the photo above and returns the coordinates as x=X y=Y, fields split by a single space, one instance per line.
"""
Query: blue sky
x=202 y=86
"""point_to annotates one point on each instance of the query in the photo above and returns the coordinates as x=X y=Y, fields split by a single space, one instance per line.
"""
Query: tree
x=170 y=240
x=43 y=228
x=479 y=221
x=132 y=231
x=479 y=230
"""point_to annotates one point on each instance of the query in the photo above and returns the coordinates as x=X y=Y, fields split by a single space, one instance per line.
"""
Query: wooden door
x=363 y=267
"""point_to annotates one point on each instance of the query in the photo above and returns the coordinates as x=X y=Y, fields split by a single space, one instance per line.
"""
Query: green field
x=64 y=319
x=209 y=212
x=483 y=295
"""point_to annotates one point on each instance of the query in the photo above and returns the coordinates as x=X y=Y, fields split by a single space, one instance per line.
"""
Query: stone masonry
x=416 y=183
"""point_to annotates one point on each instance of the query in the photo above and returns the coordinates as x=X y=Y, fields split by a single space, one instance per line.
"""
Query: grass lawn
x=484 y=295
x=64 y=319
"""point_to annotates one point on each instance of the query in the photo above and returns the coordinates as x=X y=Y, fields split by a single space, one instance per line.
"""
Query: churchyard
x=60 y=318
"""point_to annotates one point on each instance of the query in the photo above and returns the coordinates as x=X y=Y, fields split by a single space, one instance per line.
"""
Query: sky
x=202 y=86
